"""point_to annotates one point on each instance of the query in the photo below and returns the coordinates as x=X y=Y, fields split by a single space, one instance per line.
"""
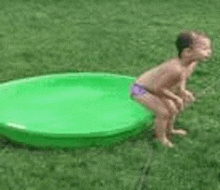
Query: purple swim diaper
x=137 y=89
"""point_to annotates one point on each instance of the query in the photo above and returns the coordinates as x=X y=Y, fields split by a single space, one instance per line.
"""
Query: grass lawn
x=122 y=37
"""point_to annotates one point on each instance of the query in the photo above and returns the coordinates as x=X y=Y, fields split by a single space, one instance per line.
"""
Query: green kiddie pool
x=71 y=110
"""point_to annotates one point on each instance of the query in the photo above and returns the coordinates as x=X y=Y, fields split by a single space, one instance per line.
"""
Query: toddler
x=155 y=88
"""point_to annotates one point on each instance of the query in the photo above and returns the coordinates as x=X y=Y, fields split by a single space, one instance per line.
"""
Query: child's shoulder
x=170 y=66
x=173 y=64
x=173 y=60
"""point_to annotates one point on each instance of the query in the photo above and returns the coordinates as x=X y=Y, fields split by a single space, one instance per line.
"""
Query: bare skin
x=166 y=78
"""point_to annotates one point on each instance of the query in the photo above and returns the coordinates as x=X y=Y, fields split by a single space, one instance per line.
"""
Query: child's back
x=155 y=76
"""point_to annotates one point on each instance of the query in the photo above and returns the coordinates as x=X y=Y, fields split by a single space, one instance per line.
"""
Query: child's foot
x=166 y=143
x=180 y=132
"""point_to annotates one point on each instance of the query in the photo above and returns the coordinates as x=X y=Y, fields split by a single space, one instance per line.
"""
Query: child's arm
x=185 y=94
x=170 y=95
x=163 y=85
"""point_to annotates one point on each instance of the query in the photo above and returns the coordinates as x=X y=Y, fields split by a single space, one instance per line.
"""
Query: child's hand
x=180 y=103
x=188 y=96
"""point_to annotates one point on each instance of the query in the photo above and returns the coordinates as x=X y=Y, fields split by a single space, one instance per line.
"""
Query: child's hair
x=187 y=40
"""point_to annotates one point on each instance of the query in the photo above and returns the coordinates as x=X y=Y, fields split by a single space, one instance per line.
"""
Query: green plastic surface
x=71 y=110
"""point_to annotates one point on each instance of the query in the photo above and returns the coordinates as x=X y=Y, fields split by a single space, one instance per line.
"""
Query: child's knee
x=172 y=107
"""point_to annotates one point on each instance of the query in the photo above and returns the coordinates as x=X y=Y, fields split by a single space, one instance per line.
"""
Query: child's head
x=194 y=45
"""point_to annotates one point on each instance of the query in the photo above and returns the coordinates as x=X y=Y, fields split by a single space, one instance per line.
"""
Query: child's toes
x=179 y=132
x=167 y=143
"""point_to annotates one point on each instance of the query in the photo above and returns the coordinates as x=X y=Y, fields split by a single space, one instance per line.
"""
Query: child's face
x=202 y=49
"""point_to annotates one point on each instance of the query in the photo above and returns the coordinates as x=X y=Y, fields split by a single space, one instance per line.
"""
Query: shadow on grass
x=147 y=134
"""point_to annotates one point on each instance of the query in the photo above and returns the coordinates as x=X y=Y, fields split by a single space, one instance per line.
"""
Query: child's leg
x=171 y=121
x=174 y=111
x=171 y=129
x=162 y=115
x=160 y=125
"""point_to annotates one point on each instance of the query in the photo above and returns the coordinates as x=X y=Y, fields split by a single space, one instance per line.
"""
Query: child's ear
x=187 y=52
